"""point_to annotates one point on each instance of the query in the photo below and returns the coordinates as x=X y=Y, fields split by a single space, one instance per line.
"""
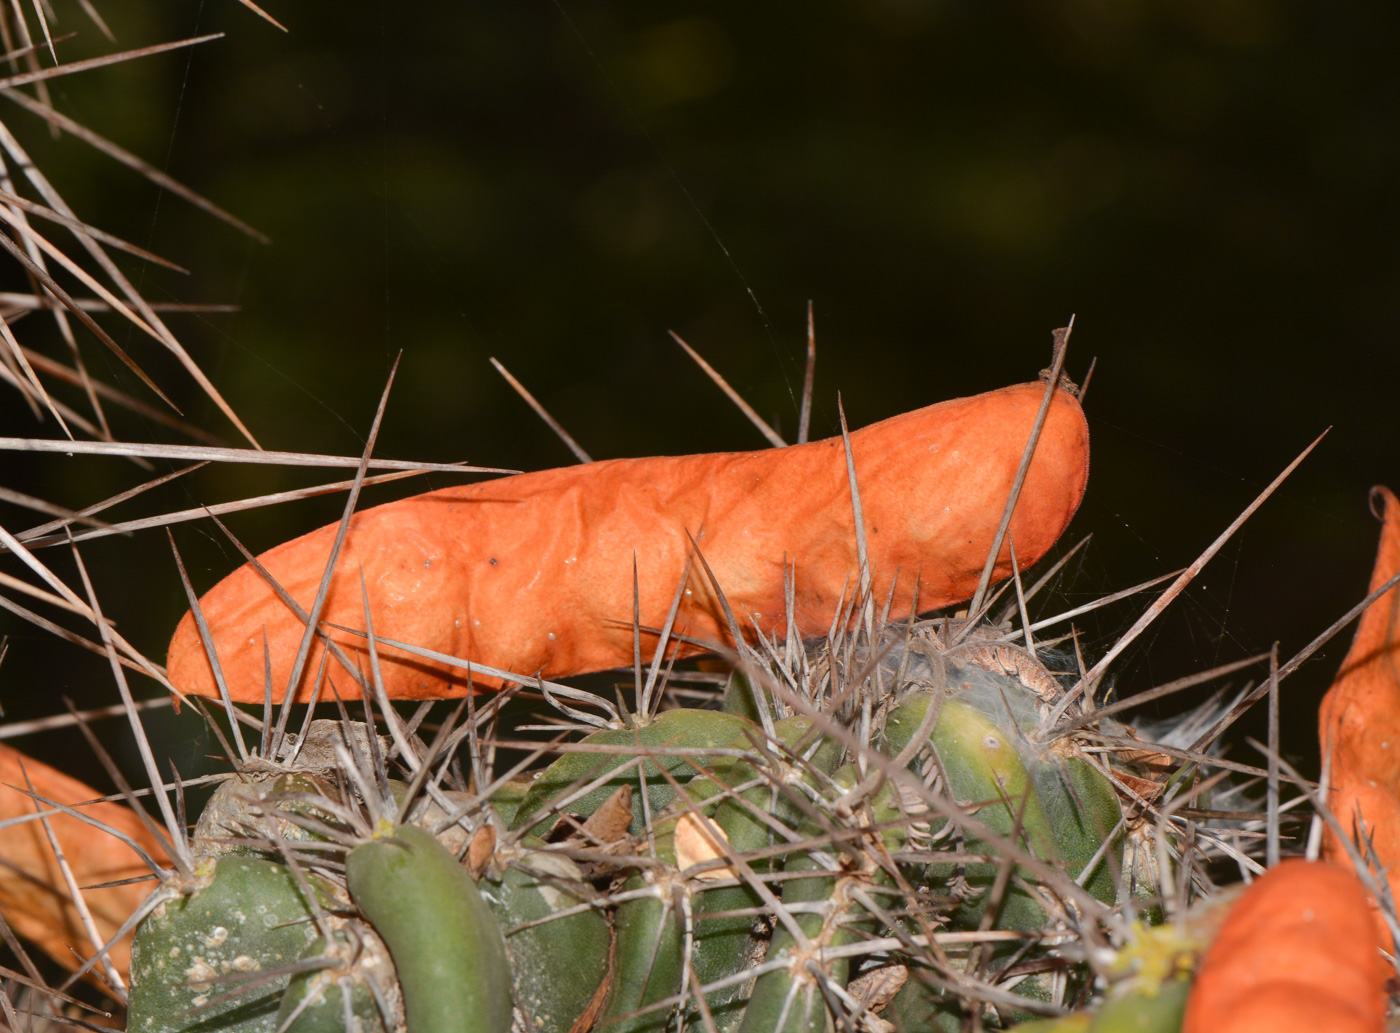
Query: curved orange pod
x=33 y=892
x=1359 y=721
x=1298 y=953
x=533 y=573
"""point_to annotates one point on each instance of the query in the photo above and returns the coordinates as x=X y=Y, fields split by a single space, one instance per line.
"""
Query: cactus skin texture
x=788 y=999
x=650 y=957
x=1136 y=1012
x=1060 y=806
x=249 y=915
x=447 y=949
x=559 y=965
x=724 y=941
x=240 y=808
x=325 y=1010
x=678 y=729
x=1049 y=798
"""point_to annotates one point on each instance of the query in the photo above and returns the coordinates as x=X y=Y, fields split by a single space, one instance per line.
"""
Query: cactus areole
x=534 y=573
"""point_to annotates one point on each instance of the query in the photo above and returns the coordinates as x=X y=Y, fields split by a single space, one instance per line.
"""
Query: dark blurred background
x=1210 y=185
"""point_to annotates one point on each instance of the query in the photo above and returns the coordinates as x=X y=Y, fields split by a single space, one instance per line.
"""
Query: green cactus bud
x=447 y=949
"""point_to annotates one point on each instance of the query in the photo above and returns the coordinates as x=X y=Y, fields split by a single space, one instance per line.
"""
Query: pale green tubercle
x=446 y=945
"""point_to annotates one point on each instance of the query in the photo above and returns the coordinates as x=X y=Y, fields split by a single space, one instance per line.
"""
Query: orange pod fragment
x=1359 y=721
x=533 y=573
x=34 y=896
x=1298 y=953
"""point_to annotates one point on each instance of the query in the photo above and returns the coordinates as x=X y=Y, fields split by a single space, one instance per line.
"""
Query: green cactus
x=237 y=932
x=650 y=957
x=1138 y=1011
x=789 y=999
x=317 y=1001
x=737 y=892
x=558 y=960
x=1050 y=798
x=679 y=729
x=447 y=948
x=898 y=827
x=723 y=938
